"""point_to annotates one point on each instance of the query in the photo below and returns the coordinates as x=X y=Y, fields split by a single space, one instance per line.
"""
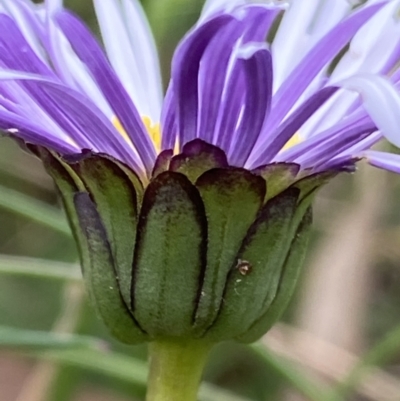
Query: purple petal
x=25 y=16
x=334 y=146
x=85 y=117
x=83 y=121
x=55 y=43
x=383 y=160
x=342 y=164
x=89 y=51
x=213 y=72
x=262 y=18
x=66 y=63
x=217 y=59
x=185 y=71
x=310 y=142
x=169 y=125
x=302 y=25
x=318 y=57
x=19 y=99
x=15 y=51
x=231 y=108
x=352 y=153
x=381 y=100
x=70 y=69
x=362 y=145
x=131 y=50
x=273 y=142
x=29 y=132
x=257 y=65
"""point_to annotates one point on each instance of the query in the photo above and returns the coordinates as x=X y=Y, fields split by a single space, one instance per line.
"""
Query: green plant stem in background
x=19 y=266
x=175 y=370
x=384 y=351
x=37 y=386
x=33 y=209
x=314 y=390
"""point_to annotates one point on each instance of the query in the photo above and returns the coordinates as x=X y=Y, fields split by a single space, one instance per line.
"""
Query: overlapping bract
x=203 y=252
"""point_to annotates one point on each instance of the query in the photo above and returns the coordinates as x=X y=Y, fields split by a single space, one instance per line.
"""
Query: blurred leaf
x=108 y=363
x=383 y=352
x=40 y=268
x=31 y=339
x=33 y=209
x=310 y=389
x=125 y=368
x=211 y=392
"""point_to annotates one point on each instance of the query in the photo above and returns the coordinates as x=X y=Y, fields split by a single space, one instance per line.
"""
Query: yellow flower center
x=294 y=140
x=153 y=130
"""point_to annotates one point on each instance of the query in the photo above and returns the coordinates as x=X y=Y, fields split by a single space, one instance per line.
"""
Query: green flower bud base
x=175 y=370
x=198 y=253
x=203 y=251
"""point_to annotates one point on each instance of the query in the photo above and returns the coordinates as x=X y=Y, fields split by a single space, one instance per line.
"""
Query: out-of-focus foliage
x=51 y=298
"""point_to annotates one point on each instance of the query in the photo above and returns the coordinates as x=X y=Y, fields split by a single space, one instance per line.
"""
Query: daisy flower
x=191 y=210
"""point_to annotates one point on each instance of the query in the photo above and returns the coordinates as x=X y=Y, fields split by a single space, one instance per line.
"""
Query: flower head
x=259 y=103
x=191 y=213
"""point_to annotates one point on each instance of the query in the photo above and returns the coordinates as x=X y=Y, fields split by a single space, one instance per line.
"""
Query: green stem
x=175 y=370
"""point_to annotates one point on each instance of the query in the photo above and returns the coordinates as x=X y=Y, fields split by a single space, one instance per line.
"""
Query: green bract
x=203 y=251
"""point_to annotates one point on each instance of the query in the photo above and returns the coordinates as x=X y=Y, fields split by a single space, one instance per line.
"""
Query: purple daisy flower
x=192 y=212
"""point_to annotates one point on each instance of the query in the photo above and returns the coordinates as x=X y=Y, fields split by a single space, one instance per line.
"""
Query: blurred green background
x=344 y=317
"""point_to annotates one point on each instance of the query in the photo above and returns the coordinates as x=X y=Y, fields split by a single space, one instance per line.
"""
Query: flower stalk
x=176 y=369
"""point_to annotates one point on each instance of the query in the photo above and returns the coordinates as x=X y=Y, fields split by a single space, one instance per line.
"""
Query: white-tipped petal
x=68 y=66
x=303 y=24
x=365 y=54
x=212 y=7
x=372 y=46
x=333 y=111
x=328 y=14
x=119 y=51
x=145 y=53
x=72 y=71
x=54 y=5
x=381 y=100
